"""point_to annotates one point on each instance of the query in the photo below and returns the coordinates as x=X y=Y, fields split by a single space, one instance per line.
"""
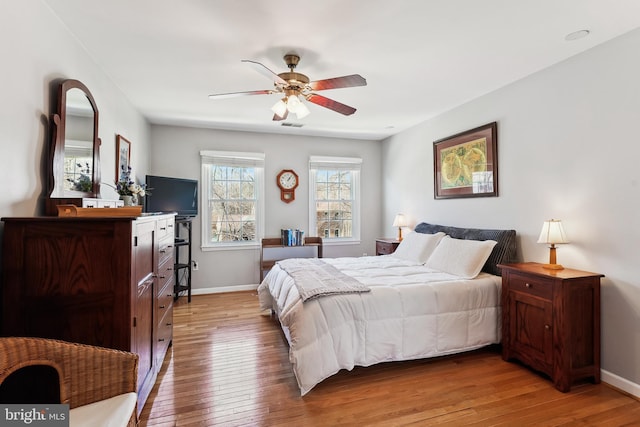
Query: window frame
x=352 y=164
x=230 y=159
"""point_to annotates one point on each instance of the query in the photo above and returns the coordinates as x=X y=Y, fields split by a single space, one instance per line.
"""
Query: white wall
x=176 y=152
x=568 y=148
x=36 y=49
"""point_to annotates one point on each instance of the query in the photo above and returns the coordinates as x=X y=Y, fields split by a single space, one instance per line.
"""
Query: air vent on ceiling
x=292 y=125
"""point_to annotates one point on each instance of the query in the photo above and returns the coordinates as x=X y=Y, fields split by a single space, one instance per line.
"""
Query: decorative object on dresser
x=386 y=246
x=74 y=151
x=553 y=234
x=466 y=164
x=280 y=251
x=287 y=181
x=73 y=210
x=551 y=321
x=130 y=192
x=100 y=281
x=399 y=222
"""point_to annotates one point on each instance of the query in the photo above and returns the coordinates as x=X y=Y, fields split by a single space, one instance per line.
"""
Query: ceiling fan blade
x=330 y=104
x=237 y=94
x=262 y=69
x=338 y=82
x=277 y=118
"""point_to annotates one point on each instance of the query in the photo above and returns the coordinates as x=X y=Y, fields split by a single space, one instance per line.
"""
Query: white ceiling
x=420 y=57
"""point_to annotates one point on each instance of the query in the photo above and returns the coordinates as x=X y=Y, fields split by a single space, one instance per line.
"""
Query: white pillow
x=463 y=258
x=417 y=247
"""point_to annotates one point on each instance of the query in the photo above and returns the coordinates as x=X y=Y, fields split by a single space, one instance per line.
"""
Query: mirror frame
x=56 y=171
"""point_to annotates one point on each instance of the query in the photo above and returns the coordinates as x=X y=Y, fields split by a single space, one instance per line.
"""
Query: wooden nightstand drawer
x=531 y=285
x=386 y=246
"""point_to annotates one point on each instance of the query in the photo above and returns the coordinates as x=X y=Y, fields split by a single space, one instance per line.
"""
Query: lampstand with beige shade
x=553 y=234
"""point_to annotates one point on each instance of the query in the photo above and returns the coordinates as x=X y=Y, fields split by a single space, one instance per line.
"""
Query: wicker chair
x=87 y=374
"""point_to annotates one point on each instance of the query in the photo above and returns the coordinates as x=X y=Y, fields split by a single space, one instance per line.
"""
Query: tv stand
x=183 y=259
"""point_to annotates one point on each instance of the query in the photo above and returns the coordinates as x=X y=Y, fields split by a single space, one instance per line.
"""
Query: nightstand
x=386 y=246
x=551 y=321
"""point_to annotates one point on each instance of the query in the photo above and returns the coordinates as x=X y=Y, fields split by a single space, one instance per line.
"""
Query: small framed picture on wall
x=123 y=156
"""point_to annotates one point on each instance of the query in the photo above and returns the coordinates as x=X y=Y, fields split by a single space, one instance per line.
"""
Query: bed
x=438 y=294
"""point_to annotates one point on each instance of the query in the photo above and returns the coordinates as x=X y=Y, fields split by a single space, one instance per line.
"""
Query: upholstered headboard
x=504 y=252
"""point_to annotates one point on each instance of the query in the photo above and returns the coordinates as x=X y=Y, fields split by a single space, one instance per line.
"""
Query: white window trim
x=353 y=164
x=231 y=158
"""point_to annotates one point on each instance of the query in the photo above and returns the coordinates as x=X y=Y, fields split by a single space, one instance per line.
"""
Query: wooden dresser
x=551 y=321
x=100 y=281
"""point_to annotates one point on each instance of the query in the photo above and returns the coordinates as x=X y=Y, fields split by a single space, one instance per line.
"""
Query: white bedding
x=412 y=312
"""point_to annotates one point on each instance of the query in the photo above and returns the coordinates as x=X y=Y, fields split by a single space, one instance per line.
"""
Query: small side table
x=386 y=246
x=551 y=321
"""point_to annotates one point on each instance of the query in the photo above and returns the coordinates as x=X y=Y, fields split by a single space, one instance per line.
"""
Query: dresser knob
x=162 y=306
x=527 y=285
x=547 y=327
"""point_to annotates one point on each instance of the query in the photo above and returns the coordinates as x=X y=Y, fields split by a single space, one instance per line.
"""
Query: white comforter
x=411 y=312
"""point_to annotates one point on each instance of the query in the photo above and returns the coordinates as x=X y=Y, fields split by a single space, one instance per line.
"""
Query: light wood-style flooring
x=229 y=367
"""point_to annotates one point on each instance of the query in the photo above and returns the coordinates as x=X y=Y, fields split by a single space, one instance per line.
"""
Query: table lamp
x=399 y=222
x=552 y=233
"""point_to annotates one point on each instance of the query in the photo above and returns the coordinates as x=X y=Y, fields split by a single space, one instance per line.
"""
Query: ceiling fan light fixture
x=292 y=85
x=293 y=103
x=279 y=108
x=302 y=111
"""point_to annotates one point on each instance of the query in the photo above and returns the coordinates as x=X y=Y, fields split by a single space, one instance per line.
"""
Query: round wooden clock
x=288 y=182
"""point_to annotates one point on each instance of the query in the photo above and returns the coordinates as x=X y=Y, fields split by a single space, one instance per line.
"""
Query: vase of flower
x=130 y=192
x=128 y=200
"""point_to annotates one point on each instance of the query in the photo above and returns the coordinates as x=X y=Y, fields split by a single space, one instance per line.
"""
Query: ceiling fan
x=293 y=85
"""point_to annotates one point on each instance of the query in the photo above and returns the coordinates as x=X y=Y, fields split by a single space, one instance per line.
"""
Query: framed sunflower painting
x=466 y=164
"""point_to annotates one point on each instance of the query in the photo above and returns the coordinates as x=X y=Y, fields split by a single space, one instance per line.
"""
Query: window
x=334 y=202
x=232 y=198
x=78 y=161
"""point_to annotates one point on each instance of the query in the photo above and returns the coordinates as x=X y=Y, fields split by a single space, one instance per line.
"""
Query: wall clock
x=287 y=180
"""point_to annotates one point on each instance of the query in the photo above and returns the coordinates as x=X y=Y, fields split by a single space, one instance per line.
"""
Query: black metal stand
x=183 y=265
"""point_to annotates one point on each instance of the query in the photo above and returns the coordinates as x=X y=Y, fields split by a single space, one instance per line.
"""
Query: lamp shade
x=279 y=108
x=292 y=103
x=552 y=232
x=399 y=221
x=302 y=111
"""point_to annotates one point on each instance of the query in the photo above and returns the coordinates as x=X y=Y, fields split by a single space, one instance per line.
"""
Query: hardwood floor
x=229 y=367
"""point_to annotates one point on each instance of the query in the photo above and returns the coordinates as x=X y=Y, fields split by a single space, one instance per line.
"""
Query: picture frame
x=466 y=164
x=123 y=155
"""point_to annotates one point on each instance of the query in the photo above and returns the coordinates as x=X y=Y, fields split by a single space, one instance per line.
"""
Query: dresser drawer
x=165 y=298
x=531 y=285
x=164 y=336
x=165 y=273
x=165 y=228
x=166 y=250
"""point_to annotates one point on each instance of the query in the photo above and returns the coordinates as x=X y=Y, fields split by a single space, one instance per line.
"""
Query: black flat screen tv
x=169 y=194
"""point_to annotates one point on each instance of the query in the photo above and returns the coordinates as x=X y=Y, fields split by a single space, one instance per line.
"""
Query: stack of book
x=292 y=237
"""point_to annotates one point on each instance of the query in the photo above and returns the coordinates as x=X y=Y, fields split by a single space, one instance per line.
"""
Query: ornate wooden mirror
x=75 y=148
